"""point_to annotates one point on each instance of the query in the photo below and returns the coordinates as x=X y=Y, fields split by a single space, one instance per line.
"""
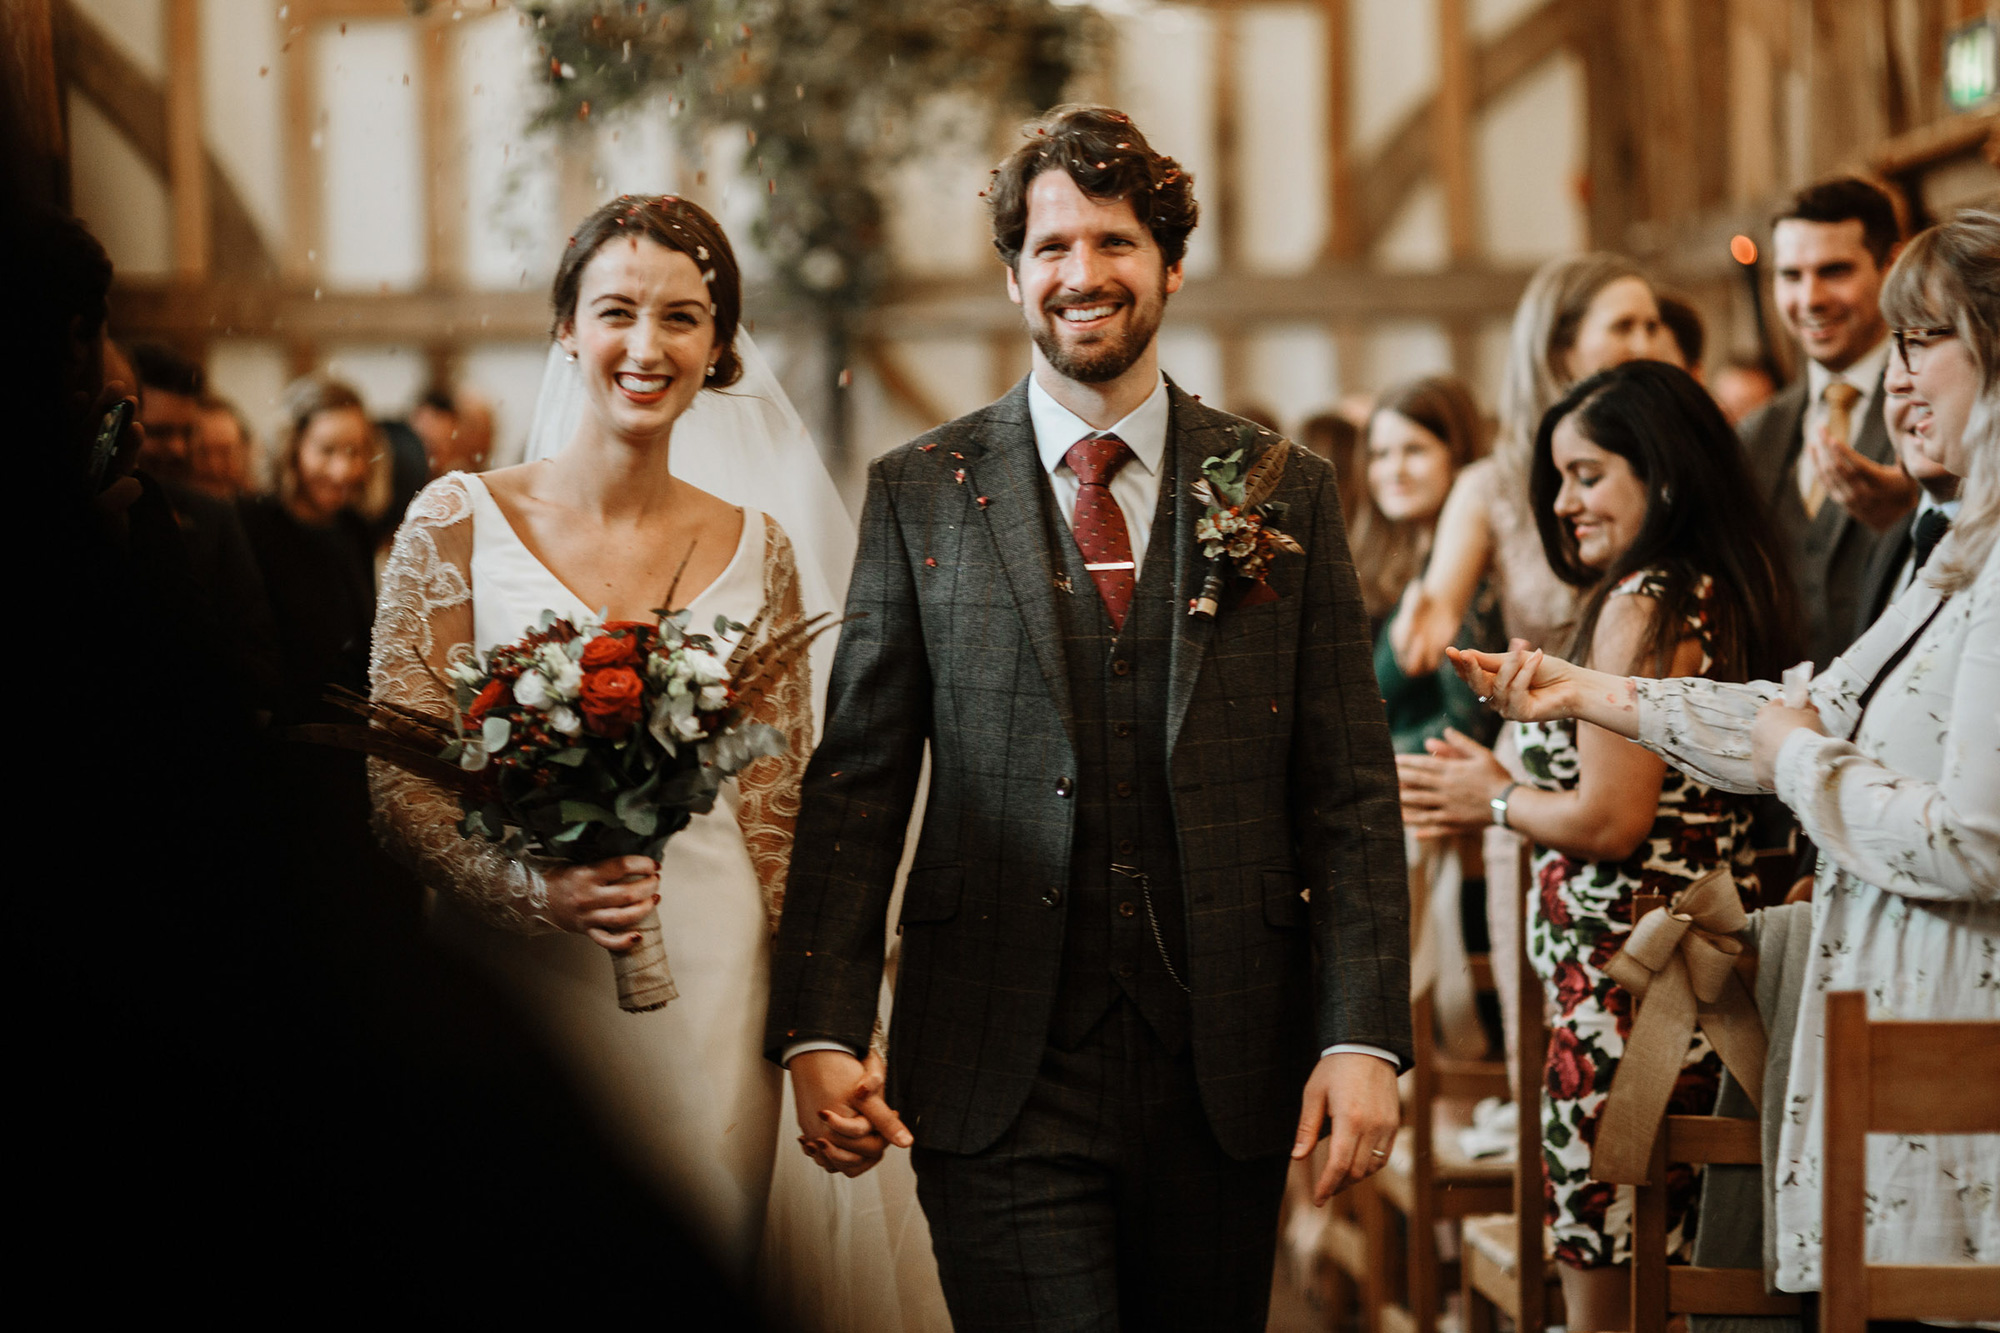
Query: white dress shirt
x=1136 y=488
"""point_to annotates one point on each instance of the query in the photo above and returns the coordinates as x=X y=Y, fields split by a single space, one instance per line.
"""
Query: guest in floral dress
x=1641 y=495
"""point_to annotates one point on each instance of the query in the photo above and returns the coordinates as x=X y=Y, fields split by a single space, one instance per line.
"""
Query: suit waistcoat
x=1125 y=917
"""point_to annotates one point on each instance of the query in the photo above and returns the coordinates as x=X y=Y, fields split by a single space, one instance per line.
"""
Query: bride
x=647 y=301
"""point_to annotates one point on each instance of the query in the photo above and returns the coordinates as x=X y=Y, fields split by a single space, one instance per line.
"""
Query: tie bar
x=1111 y=564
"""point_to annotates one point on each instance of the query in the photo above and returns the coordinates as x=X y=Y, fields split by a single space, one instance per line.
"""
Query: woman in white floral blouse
x=1893 y=769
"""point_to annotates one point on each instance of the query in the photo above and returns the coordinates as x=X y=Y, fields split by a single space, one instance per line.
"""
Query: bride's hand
x=605 y=900
x=1521 y=685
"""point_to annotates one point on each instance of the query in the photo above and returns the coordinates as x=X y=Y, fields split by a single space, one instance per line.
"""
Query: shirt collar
x=1864 y=374
x=1927 y=501
x=1144 y=428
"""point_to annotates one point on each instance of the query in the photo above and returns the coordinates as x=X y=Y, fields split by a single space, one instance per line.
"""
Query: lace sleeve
x=770 y=786
x=422 y=617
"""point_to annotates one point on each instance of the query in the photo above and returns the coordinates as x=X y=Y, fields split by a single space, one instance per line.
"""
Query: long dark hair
x=1703 y=517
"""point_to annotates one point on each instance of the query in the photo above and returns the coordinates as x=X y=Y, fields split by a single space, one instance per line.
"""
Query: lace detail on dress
x=770 y=786
x=423 y=618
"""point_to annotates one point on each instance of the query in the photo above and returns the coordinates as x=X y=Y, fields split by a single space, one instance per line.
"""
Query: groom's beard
x=1107 y=357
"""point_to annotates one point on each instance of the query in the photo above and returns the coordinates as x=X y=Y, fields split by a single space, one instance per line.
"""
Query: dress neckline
x=484 y=498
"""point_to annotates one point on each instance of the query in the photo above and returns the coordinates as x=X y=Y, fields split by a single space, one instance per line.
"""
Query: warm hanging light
x=1743 y=250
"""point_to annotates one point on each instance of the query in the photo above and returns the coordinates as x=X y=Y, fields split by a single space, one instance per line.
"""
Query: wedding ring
x=1378 y=1152
x=1485 y=698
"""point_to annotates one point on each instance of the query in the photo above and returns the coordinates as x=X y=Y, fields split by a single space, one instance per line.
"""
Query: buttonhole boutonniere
x=1239 y=525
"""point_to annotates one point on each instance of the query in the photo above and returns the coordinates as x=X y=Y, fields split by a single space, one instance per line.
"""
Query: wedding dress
x=685 y=1089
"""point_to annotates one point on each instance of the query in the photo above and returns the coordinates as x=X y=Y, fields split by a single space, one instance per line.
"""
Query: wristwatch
x=1499 y=804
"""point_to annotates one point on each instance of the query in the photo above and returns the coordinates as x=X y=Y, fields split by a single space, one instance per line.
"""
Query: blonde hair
x=307 y=397
x=1950 y=274
x=1387 y=553
x=1545 y=328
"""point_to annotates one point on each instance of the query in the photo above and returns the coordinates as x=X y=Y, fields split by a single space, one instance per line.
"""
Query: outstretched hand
x=1357 y=1093
x=845 y=1123
x=1522 y=684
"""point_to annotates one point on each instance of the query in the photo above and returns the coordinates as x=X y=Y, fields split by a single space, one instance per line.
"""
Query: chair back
x=1897 y=1077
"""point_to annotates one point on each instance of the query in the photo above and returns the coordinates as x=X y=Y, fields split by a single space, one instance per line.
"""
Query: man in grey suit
x=1819 y=451
x=1159 y=889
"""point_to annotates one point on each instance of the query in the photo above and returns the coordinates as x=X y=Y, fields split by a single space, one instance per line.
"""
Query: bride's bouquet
x=588 y=739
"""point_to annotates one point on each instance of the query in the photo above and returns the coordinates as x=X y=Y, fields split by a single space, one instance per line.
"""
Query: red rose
x=495 y=694
x=1591 y=1202
x=1554 y=877
x=609 y=650
x=1572 y=986
x=610 y=699
x=1570 y=1072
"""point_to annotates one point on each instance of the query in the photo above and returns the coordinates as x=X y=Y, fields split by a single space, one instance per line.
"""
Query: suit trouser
x=1108 y=1203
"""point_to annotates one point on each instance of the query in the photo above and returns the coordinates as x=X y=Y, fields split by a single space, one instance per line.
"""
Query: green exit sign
x=1971 y=57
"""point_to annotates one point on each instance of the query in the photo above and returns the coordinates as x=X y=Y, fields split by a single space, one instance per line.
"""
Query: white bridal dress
x=685 y=1089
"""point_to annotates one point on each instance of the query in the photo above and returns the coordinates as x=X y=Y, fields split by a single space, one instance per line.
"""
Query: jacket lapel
x=1008 y=472
x=1192 y=439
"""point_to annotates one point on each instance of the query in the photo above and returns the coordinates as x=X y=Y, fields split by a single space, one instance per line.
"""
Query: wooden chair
x=1505 y=1269
x=1661 y=1290
x=1897 y=1078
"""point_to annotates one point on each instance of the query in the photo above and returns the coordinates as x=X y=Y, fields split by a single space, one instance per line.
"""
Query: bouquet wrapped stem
x=644 y=981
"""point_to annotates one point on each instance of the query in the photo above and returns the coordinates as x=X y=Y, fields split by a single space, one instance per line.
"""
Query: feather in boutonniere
x=1240 y=522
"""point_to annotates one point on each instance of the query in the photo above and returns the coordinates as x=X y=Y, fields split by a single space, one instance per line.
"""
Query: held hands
x=1357 y=1093
x=1774 y=723
x=605 y=900
x=1879 y=495
x=845 y=1125
x=1447 y=790
x=1521 y=684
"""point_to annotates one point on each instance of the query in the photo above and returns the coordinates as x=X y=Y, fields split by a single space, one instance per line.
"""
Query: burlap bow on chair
x=1681 y=960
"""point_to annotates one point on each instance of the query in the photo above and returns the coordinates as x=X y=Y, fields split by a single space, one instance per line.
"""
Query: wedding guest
x=1892 y=766
x=220 y=451
x=1682 y=336
x=1421 y=434
x=1338 y=440
x=1743 y=385
x=1899 y=559
x=1641 y=497
x=1819 y=452
x=314 y=542
x=456 y=429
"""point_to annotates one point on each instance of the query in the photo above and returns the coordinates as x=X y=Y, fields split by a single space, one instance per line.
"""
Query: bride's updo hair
x=677 y=224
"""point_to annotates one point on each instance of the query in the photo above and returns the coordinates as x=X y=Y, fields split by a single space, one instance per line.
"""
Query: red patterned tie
x=1099 y=523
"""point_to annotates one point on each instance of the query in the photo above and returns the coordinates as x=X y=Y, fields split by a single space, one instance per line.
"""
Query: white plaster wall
x=1405 y=349
x=1392 y=54
x=242 y=111
x=937 y=219
x=1165 y=82
x=509 y=374
x=1487 y=19
x=1417 y=239
x=956 y=374
x=1292 y=369
x=1530 y=150
x=136 y=27
x=1281 y=135
x=636 y=152
x=117 y=195
x=512 y=236
x=1193 y=357
x=370 y=152
x=252 y=374
x=388 y=377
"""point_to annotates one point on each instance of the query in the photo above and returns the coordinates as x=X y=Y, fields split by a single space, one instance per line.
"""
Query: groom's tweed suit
x=1278 y=777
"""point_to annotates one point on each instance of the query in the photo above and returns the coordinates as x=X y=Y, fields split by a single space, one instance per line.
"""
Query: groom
x=1160 y=888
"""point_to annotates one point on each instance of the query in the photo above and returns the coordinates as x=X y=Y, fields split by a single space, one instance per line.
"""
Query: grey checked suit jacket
x=1829 y=555
x=1283 y=782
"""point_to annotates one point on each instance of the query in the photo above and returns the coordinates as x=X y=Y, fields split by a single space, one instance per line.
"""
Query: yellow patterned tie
x=1840 y=397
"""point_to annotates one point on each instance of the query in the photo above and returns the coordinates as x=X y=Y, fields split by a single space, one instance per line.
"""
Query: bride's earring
x=711 y=370
x=570 y=357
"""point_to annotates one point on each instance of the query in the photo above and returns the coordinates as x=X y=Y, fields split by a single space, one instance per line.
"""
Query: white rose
x=711 y=698
x=566 y=720
x=532 y=690
x=687 y=727
x=705 y=668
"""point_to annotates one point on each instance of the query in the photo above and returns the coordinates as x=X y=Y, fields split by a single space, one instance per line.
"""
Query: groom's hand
x=1357 y=1093
x=845 y=1124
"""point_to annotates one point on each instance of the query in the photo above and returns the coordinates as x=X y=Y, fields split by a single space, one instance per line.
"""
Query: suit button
x=1123 y=789
x=1063 y=787
x=1121 y=667
x=1128 y=909
x=1051 y=897
x=1126 y=847
x=1127 y=971
x=1121 y=729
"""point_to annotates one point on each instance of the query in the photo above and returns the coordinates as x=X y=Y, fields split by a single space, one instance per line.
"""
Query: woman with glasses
x=1890 y=759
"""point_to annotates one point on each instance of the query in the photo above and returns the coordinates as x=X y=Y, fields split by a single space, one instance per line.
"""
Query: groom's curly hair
x=678 y=224
x=1108 y=158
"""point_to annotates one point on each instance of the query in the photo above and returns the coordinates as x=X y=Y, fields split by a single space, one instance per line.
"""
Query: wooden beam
x=304 y=164
x=187 y=162
x=1222 y=204
x=1343 y=220
x=39 y=163
x=444 y=156
x=1452 y=131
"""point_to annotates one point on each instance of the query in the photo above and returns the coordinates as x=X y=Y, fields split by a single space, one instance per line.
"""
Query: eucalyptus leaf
x=587 y=813
x=570 y=758
x=494 y=733
x=570 y=834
